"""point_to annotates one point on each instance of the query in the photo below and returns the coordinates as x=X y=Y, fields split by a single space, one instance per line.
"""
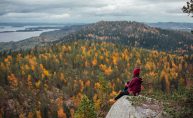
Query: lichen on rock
x=136 y=107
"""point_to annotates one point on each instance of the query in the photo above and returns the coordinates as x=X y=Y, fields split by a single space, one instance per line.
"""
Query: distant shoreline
x=32 y=29
x=22 y=34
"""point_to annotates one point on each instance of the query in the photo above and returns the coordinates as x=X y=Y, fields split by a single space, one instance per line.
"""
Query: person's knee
x=122 y=93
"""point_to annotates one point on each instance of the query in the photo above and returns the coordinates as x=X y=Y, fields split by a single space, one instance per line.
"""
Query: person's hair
x=137 y=75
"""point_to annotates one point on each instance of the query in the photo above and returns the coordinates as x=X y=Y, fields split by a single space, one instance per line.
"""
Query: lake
x=6 y=35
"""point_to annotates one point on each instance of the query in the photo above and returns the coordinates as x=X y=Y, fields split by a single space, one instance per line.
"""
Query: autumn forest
x=50 y=81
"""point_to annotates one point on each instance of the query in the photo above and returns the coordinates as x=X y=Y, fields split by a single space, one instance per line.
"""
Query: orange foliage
x=113 y=93
x=77 y=99
x=29 y=81
x=32 y=62
x=27 y=67
x=108 y=71
x=86 y=64
x=32 y=67
x=59 y=101
x=66 y=48
x=102 y=67
x=87 y=83
x=164 y=75
x=37 y=84
x=111 y=85
x=104 y=57
x=115 y=58
x=125 y=56
x=101 y=57
x=105 y=69
x=18 y=58
x=41 y=67
x=153 y=74
x=81 y=85
x=97 y=85
x=106 y=53
x=13 y=80
x=21 y=115
x=94 y=62
x=150 y=65
x=30 y=115
x=6 y=60
x=61 y=113
x=107 y=60
x=62 y=76
x=46 y=73
x=38 y=114
x=97 y=102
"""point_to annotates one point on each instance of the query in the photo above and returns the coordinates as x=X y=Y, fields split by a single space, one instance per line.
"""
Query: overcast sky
x=86 y=11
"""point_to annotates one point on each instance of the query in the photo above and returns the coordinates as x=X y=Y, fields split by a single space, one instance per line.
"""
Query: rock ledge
x=136 y=107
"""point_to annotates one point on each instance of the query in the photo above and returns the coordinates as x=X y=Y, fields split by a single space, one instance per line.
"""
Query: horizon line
x=88 y=22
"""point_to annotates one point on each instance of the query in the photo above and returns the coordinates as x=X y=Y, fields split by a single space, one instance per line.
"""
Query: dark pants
x=122 y=93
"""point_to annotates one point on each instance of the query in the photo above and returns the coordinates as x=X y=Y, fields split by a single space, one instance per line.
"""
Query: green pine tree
x=85 y=109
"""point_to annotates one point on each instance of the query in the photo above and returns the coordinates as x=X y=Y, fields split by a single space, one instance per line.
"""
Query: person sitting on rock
x=132 y=87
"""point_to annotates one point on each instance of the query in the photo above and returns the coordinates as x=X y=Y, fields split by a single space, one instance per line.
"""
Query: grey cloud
x=165 y=1
x=90 y=10
x=42 y=5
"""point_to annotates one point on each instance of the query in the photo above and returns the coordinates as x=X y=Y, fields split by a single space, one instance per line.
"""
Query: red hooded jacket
x=134 y=86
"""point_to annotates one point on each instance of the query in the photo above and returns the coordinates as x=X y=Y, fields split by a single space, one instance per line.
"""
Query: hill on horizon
x=134 y=34
x=122 y=32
